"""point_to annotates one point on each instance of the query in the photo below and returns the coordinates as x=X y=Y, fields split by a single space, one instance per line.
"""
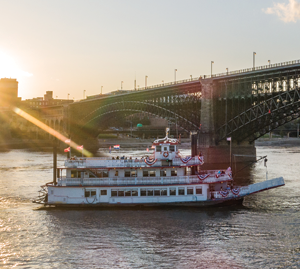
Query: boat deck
x=211 y=176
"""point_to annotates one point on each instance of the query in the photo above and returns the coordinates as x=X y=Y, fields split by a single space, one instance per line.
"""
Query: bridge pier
x=221 y=154
x=213 y=153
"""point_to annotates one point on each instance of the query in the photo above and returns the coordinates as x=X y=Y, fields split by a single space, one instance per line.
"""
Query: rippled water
x=263 y=233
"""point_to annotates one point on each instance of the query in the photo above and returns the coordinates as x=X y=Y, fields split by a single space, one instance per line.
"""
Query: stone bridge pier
x=215 y=152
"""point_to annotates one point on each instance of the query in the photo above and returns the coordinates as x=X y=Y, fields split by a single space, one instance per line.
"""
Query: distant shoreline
x=284 y=142
x=134 y=143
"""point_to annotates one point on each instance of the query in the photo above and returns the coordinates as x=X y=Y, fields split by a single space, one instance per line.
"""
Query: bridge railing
x=263 y=67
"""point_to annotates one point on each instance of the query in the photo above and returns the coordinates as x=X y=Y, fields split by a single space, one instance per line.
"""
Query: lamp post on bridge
x=227 y=70
x=163 y=83
x=175 y=70
x=269 y=61
x=146 y=81
x=121 y=85
x=101 y=89
x=254 y=53
x=191 y=77
x=211 y=64
x=84 y=94
x=68 y=96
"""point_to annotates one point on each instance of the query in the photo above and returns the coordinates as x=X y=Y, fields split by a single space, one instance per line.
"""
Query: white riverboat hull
x=191 y=195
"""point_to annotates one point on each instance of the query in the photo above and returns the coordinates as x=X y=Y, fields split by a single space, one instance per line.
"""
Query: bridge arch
x=263 y=117
x=139 y=107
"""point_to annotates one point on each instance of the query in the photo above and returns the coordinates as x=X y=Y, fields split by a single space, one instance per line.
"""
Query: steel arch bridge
x=242 y=104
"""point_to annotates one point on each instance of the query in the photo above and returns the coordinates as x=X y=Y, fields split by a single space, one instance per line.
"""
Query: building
x=9 y=92
x=46 y=101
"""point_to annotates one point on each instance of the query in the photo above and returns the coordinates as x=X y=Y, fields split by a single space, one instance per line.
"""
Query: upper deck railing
x=115 y=181
x=104 y=162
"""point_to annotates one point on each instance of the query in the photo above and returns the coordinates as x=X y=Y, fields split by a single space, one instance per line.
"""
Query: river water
x=263 y=233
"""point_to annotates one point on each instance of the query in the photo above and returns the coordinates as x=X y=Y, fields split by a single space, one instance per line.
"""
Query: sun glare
x=9 y=68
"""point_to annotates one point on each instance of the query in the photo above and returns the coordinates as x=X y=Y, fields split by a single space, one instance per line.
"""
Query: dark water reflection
x=263 y=233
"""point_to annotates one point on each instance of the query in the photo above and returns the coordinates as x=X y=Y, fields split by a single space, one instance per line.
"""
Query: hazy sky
x=69 y=46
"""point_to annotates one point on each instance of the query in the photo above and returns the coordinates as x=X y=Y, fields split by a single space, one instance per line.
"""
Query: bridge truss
x=256 y=104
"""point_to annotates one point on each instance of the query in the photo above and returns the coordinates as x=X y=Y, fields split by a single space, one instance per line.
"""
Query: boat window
x=127 y=193
x=163 y=173
x=103 y=192
x=133 y=173
x=127 y=173
x=120 y=193
x=143 y=192
x=172 y=191
x=163 y=192
x=173 y=173
x=190 y=191
x=116 y=173
x=158 y=148
x=73 y=173
x=180 y=191
x=150 y=192
x=152 y=173
x=92 y=174
x=198 y=190
x=145 y=173
x=114 y=193
x=134 y=193
x=165 y=148
x=172 y=148
x=156 y=192
x=89 y=193
x=98 y=173
x=188 y=171
x=105 y=174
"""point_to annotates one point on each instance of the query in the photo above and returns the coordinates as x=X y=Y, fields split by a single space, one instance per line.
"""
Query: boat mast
x=54 y=161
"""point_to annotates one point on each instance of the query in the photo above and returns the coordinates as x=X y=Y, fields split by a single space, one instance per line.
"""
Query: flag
x=68 y=141
x=80 y=147
x=116 y=146
x=228 y=138
x=67 y=149
x=147 y=149
x=109 y=149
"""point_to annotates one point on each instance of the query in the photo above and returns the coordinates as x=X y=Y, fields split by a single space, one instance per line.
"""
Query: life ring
x=166 y=154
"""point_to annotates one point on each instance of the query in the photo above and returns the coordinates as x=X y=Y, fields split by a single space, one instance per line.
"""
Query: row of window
x=147 y=192
x=159 y=148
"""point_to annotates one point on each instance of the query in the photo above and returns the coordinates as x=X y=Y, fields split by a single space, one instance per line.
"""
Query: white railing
x=253 y=188
x=108 y=162
x=64 y=181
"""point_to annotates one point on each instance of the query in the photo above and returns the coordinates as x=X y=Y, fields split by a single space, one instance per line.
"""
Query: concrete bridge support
x=213 y=153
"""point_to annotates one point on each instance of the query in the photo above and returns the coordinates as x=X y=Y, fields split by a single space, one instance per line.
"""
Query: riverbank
x=38 y=144
x=135 y=143
x=24 y=144
x=284 y=142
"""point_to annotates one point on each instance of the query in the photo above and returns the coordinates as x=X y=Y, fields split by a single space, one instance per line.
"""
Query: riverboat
x=166 y=178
